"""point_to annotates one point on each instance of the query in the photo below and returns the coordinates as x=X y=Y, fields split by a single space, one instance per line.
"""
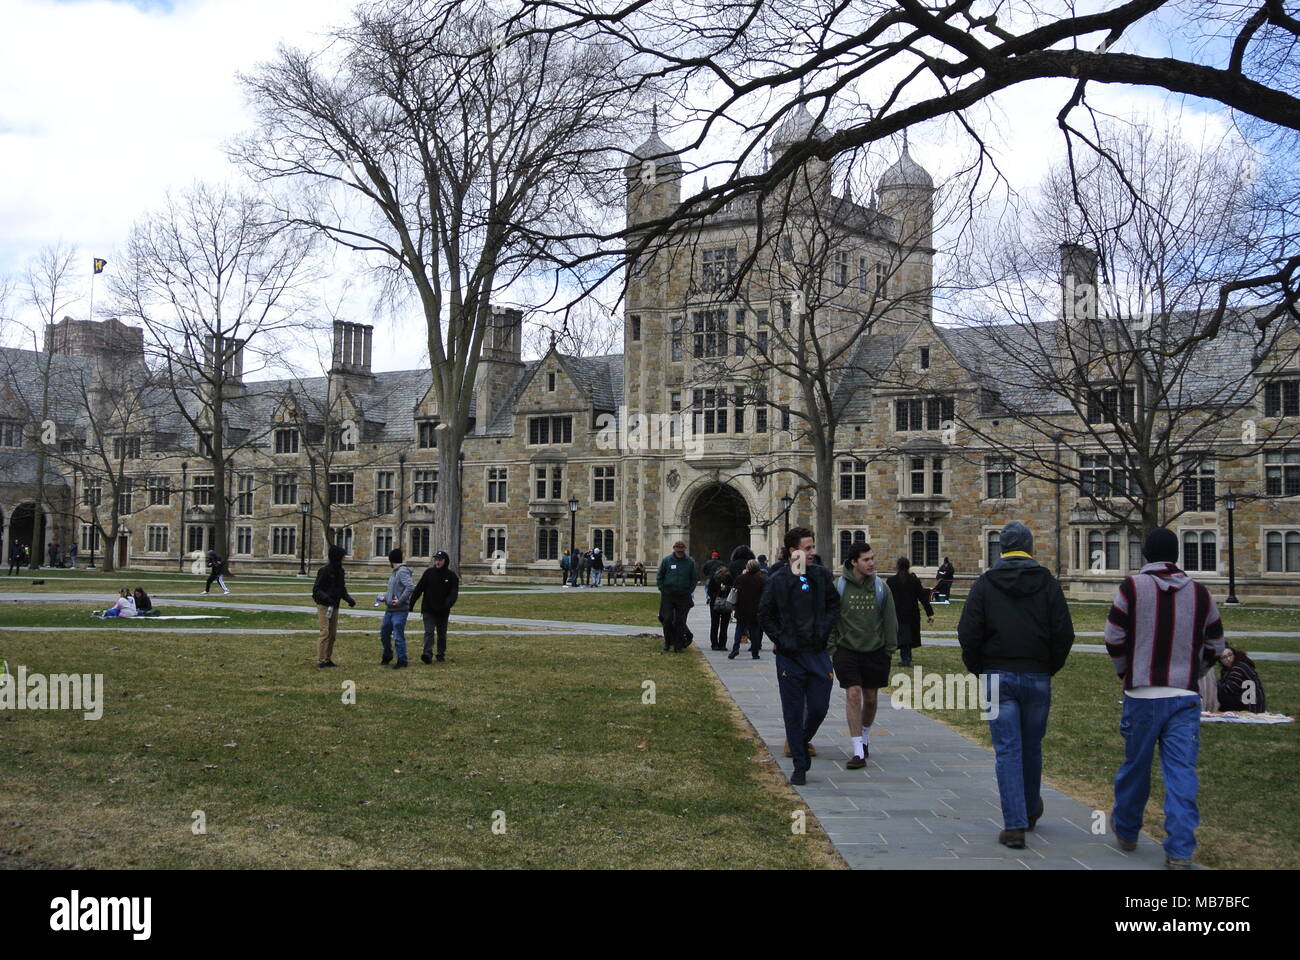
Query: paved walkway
x=927 y=798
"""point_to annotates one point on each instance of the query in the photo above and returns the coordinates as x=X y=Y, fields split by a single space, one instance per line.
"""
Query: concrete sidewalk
x=928 y=797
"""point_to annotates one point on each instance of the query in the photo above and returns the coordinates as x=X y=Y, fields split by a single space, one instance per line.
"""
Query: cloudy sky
x=105 y=104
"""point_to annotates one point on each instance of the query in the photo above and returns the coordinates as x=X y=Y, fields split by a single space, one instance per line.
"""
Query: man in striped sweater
x=1163 y=632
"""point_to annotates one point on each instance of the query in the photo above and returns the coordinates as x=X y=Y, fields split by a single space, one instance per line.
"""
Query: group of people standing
x=586 y=568
x=20 y=556
x=438 y=586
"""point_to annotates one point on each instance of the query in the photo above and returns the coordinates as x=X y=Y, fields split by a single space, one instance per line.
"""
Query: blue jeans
x=394 y=626
x=1174 y=723
x=596 y=573
x=805 y=681
x=755 y=638
x=1024 y=700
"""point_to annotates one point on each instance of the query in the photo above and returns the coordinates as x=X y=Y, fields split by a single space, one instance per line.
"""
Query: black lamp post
x=1230 y=504
x=787 y=502
x=180 y=560
x=303 y=508
x=573 y=524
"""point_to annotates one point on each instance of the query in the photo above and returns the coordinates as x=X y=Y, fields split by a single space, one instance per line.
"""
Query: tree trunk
x=447 y=504
x=824 y=473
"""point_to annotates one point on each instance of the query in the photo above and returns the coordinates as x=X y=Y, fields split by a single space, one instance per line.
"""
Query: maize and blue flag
x=100 y=265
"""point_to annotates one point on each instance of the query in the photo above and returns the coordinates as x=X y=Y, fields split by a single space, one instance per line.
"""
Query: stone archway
x=22 y=530
x=718 y=520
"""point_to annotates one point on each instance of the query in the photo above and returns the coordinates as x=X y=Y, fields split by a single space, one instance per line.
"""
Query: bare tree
x=113 y=406
x=586 y=328
x=886 y=67
x=452 y=159
x=217 y=280
x=1126 y=397
x=50 y=288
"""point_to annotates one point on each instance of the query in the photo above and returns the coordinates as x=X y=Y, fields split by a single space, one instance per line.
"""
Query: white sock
x=857 y=747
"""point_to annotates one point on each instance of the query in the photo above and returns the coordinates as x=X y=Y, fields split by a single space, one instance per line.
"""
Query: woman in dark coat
x=716 y=589
x=749 y=590
x=908 y=596
x=943 y=579
x=1240 y=688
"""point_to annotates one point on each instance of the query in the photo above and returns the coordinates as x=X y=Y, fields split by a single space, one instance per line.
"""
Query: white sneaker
x=225 y=593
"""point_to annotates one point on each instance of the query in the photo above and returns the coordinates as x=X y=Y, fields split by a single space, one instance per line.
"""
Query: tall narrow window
x=496 y=484
x=853 y=480
x=602 y=484
x=244 y=503
x=384 y=492
x=636 y=335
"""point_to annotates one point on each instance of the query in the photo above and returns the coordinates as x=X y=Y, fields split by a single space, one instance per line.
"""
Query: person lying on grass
x=125 y=606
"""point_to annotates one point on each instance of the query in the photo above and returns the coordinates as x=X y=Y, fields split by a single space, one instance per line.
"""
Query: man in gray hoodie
x=397 y=607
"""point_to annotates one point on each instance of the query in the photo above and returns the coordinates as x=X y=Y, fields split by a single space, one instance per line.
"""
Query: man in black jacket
x=1015 y=631
x=439 y=586
x=799 y=608
x=330 y=587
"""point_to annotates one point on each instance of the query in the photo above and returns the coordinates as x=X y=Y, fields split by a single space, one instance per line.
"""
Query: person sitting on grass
x=143 y=605
x=125 y=606
x=1239 y=685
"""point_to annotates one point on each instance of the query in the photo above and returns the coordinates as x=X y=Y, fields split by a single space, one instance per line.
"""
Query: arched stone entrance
x=719 y=520
x=22 y=531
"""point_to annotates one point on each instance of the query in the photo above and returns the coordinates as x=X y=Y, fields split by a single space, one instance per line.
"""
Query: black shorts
x=869 y=670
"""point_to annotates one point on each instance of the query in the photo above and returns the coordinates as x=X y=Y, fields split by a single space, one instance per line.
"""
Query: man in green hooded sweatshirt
x=862 y=643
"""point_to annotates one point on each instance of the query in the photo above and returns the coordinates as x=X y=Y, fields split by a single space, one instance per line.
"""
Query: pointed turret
x=654 y=178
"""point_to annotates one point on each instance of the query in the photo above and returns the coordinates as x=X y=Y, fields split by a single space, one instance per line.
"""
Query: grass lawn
x=637 y=609
x=555 y=736
x=1249 y=775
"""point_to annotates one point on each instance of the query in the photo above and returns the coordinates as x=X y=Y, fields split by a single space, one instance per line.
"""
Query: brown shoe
x=1174 y=864
x=856 y=763
x=812 y=751
x=1128 y=846
x=1015 y=839
x=1033 y=820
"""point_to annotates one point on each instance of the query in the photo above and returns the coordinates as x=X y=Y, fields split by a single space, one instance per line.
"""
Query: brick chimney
x=228 y=357
x=1079 y=294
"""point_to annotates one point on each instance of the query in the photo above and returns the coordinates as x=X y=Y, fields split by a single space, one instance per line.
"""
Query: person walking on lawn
x=798 y=610
x=862 y=643
x=439 y=586
x=397 y=607
x=1015 y=631
x=676 y=581
x=1162 y=633
x=217 y=572
x=327 y=592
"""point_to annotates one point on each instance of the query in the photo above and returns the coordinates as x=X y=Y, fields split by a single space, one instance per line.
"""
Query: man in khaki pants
x=329 y=589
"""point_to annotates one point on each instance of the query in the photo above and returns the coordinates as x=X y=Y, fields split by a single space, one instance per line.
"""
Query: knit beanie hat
x=1161 y=546
x=1016 y=536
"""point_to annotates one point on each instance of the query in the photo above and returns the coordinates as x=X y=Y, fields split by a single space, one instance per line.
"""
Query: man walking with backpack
x=1162 y=633
x=1015 y=631
x=862 y=643
x=798 y=610
x=397 y=607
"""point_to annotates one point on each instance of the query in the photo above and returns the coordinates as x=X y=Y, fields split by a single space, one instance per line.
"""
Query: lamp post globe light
x=1230 y=504
x=573 y=524
x=787 y=502
x=304 y=508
